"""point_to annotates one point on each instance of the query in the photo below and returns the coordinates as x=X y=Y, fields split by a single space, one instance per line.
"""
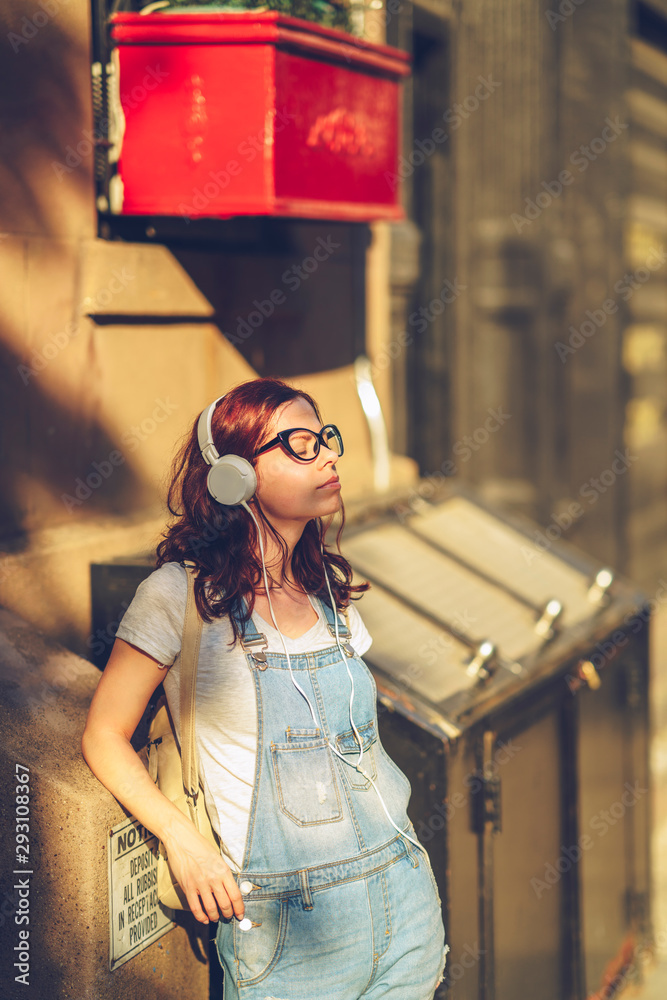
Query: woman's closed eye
x=302 y=444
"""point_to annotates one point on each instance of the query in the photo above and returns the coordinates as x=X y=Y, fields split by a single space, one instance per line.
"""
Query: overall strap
x=256 y=643
x=252 y=641
x=344 y=630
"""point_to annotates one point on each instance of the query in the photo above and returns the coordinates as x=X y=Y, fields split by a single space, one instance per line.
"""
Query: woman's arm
x=124 y=690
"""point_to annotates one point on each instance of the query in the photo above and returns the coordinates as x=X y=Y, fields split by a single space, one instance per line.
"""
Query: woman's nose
x=329 y=455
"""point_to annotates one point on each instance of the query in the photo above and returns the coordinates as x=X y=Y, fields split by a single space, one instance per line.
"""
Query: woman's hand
x=202 y=874
x=124 y=689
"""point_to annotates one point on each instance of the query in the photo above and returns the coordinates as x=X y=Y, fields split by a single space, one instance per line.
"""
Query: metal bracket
x=486 y=804
x=635 y=687
x=598 y=592
x=483 y=664
x=545 y=626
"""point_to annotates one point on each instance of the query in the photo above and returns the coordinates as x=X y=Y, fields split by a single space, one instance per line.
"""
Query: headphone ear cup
x=232 y=480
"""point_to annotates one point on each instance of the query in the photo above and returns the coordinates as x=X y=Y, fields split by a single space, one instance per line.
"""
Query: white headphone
x=231 y=479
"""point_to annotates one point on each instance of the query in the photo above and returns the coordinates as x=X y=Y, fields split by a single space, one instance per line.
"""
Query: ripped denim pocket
x=305 y=780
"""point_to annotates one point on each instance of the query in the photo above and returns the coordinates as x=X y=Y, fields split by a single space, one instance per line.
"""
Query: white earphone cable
x=275 y=623
x=344 y=657
x=354 y=728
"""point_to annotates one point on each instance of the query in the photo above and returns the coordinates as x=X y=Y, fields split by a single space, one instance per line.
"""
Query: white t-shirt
x=226 y=726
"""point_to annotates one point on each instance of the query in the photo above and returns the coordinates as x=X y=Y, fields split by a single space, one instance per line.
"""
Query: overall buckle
x=344 y=635
x=256 y=648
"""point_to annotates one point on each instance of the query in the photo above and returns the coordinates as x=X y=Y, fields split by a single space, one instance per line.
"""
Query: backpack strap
x=192 y=629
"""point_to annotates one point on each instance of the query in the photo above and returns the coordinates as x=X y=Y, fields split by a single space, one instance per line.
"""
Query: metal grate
x=412 y=650
x=499 y=551
x=459 y=594
x=451 y=595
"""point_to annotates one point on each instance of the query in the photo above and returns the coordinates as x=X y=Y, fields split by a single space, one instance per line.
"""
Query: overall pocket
x=305 y=780
x=346 y=743
x=258 y=950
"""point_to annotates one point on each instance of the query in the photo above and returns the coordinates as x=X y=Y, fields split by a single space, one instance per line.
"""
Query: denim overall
x=339 y=905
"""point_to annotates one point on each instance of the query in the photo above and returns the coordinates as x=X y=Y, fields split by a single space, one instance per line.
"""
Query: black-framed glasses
x=305 y=444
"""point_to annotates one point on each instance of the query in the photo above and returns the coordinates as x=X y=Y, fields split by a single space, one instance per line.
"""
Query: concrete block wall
x=53 y=849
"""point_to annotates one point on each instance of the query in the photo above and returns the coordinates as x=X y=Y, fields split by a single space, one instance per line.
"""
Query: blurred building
x=515 y=321
x=544 y=203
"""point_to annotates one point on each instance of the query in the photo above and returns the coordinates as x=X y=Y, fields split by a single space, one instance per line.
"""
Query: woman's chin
x=334 y=501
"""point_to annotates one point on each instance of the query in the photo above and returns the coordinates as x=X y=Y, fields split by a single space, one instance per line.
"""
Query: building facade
x=515 y=321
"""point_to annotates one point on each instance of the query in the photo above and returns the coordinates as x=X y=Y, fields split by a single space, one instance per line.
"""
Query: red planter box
x=255 y=114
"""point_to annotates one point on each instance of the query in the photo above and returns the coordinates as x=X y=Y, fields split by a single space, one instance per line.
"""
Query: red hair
x=222 y=541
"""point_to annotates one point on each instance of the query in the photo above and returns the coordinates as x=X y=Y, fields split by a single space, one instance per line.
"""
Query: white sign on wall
x=136 y=919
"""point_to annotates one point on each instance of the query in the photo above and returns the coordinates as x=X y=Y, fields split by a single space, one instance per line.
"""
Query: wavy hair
x=222 y=541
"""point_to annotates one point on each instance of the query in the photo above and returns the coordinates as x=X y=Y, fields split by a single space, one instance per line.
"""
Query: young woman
x=321 y=889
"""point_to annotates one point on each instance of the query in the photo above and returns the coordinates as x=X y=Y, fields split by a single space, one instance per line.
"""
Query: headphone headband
x=205 y=433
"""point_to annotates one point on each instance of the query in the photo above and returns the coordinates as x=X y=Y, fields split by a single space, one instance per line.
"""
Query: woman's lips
x=330 y=484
